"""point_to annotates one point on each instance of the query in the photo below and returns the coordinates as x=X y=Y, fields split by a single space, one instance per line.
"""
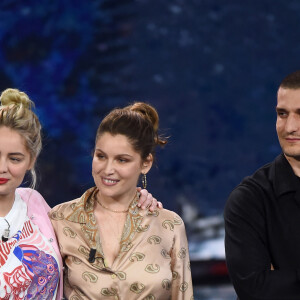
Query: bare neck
x=119 y=203
x=6 y=203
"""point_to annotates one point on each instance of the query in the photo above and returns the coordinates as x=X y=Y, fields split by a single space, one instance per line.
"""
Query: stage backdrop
x=210 y=67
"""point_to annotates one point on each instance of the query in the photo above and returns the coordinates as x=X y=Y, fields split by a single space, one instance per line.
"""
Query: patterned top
x=153 y=261
x=29 y=266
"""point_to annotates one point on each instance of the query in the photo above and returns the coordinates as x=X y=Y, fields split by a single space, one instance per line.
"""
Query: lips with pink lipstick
x=3 y=180
x=109 y=181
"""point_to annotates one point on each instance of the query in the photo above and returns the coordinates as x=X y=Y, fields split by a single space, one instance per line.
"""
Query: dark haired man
x=262 y=214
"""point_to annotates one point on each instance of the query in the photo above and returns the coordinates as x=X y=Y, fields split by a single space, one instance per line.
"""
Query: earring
x=144 y=181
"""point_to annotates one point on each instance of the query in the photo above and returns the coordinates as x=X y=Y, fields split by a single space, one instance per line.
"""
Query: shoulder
x=33 y=199
x=168 y=214
x=261 y=178
x=168 y=219
x=37 y=208
x=28 y=193
x=251 y=193
x=63 y=208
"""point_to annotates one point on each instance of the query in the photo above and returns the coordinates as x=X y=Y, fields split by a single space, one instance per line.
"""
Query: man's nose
x=292 y=123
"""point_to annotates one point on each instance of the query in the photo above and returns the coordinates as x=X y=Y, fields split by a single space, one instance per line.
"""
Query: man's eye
x=281 y=113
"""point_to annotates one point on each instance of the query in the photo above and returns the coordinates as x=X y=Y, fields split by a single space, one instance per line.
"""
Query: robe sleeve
x=182 y=287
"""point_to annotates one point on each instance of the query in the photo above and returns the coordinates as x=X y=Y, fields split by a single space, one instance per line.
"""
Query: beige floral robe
x=153 y=261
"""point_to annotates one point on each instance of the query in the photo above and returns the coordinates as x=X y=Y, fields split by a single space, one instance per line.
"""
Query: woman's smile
x=109 y=181
x=116 y=167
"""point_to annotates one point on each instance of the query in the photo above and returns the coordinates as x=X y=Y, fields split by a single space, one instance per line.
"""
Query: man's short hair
x=291 y=81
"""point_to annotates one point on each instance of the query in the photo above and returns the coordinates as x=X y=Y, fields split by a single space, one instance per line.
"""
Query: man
x=262 y=214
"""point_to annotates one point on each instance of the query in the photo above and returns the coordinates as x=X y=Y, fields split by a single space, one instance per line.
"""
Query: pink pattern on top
x=37 y=275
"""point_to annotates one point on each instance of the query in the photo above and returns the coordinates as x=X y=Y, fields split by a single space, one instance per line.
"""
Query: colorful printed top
x=153 y=261
x=29 y=267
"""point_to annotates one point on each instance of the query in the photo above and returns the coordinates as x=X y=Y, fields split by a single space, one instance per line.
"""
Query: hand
x=147 y=201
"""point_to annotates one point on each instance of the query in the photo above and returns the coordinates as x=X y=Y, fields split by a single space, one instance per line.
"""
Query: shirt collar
x=284 y=177
x=83 y=213
x=85 y=206
x=82 y=210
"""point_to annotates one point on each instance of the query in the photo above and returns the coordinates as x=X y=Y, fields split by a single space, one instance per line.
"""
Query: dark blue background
x=210 y=67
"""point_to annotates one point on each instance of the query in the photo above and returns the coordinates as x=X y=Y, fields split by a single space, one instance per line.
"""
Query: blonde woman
x=30 y=262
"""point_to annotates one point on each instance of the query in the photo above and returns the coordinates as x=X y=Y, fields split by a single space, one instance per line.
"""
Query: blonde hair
x=16 y=113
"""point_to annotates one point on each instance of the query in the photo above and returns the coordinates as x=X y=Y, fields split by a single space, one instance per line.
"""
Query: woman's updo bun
x=16 y=113
x=149 y=112
x=15 y=97
x=139 y=122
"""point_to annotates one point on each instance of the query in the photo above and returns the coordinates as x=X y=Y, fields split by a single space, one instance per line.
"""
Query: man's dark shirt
x=262 y=224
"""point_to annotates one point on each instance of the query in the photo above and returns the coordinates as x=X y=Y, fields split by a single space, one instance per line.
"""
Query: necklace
x=113 y=210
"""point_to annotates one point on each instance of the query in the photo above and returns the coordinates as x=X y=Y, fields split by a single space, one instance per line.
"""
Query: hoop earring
x=144 y=181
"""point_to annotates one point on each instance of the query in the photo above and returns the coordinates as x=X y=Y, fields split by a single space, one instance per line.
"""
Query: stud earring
x=144 y=181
